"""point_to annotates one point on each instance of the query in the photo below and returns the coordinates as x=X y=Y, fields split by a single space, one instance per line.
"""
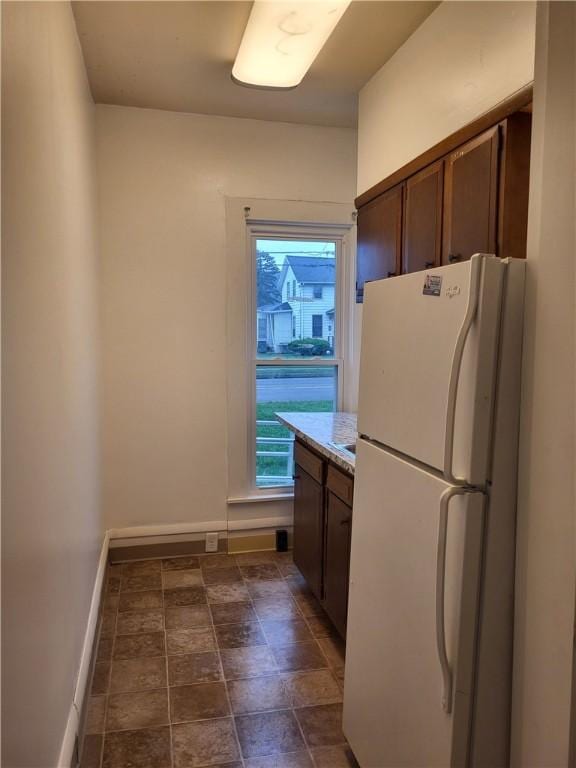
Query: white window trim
x=247 y=219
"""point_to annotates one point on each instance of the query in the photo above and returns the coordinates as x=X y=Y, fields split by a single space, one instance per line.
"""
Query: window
x=317 y=326
x=262 y=329
x=297 y=369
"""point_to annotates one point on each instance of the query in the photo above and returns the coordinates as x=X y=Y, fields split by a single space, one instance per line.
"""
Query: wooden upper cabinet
x=379 y=239
x=470 y=198
x=422 y=244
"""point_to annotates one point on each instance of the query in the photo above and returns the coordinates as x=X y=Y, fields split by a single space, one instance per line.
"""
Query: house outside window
x=295 y=366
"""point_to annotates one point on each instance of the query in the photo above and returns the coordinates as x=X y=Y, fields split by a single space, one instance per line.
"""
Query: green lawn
x=268 y=465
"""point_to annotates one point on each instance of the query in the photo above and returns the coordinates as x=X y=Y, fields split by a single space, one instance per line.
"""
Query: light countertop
x=320 y=430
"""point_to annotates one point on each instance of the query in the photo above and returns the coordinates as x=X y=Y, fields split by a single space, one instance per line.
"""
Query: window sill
x=255 y=498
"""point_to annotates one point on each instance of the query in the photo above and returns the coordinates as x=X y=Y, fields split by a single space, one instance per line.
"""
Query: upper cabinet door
x=470 y=198
x=423 y=219
x=379 y=239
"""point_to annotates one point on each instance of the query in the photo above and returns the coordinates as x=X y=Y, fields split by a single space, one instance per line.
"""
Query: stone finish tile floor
x=215 y=660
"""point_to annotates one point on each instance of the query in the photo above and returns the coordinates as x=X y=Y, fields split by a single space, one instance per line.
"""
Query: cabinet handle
x=454 y=257
x=428 y=264
x=391 y=274
x=346 y=522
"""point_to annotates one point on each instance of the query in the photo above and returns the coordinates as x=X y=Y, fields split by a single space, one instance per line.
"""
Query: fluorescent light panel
x=282 y=39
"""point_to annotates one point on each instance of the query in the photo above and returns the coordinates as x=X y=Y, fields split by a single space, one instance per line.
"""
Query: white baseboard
x=73 y=723
x=176 y=529
x=257 y=523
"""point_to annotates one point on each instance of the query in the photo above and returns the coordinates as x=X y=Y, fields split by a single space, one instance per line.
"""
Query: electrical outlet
x=212 y=542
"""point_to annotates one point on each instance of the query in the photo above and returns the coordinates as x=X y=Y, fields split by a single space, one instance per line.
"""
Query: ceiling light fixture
x=282 y=39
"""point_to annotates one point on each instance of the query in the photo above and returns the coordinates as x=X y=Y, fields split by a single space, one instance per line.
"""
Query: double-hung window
x=297 y=363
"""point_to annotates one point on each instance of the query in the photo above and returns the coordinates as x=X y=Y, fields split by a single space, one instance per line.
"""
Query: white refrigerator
x=430 y=615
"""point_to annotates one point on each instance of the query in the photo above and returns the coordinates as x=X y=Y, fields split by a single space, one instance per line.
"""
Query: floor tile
x=232 y=613
x=227 y=593
x=108 y=624
x=113 y=584
x=220 y=560
x=101 y=678
x=286 y=631
x=230 y=575
x=143 y=709
x=288 y=569
x=257 y=694
x=138 y=674
x=182 y=617
x=148 y=748
x=192 y=640
x=322 y=726
x=176 y=579
x=95 y=714
x=133 y=646
x=135 y=622
x=297 y=585
x=276 y=608
x=91 y=751
x=312 y=688
x=239 y=635
x=178 y=563
x=334 y=757
x=268 y=733
x=140 y=601
x=140 y=582
x=140 y=567
x=110 y=603
x=334 y=650
x=194 y=668
x=247 y=662
x=186 y=596
x=309 y=605
x=255 y=558
x=321 y=626
x=202 y=701
x=299 y=656
x=276 y=588
x=208 y=742
x=262 y=572
x=289 y=760
x=104 y=652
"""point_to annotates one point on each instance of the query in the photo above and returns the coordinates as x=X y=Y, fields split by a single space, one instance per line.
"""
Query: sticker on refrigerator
x=432 y=285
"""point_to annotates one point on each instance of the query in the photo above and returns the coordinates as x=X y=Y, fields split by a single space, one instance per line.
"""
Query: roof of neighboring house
x=312 y=269
x=284 y=307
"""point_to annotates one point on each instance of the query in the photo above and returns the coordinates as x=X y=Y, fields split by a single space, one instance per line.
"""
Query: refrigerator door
x=412 y=615
x=430 y=341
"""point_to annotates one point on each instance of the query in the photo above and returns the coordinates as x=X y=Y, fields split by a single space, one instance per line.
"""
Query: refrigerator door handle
x=447 y=677
x=475 y=267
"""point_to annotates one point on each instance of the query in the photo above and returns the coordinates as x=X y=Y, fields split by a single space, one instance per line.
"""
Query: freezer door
x=409 y=611
x=413 y=328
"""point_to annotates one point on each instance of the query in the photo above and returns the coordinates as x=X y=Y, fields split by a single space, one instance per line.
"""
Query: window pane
x=296 y=298
x=283 y=388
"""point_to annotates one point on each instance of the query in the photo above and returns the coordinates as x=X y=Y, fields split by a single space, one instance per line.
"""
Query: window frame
x=286 y=231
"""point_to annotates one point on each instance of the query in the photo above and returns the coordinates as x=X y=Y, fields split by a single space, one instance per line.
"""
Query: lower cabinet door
x=337 y=560
x=308 y=528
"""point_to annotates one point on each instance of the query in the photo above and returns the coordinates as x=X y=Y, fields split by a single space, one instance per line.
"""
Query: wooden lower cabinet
x=322 y=532
x=337 y=560
x=308 y=528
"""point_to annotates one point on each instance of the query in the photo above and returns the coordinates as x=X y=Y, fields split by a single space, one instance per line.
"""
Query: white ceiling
x=179 y=55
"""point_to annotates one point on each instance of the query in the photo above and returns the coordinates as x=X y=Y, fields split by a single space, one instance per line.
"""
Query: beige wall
x=164 y=178
x=546 y=511
x=464 y=59
x=51 y=531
